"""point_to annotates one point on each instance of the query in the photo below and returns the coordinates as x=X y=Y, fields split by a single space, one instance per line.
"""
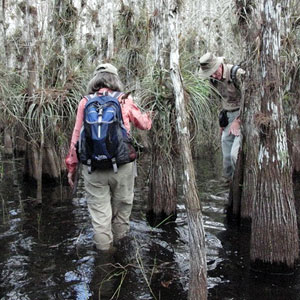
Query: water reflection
x=47 y=252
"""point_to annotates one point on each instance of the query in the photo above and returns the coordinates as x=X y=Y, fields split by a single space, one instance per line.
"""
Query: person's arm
x=236 y=124
x=71 y=159
x=132 y=114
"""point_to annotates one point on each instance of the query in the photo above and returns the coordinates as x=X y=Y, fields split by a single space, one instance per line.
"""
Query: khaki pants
x=109 y=200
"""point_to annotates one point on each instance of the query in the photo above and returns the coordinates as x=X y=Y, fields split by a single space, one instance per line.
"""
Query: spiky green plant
x=156 y=95
x=12 y=87
x=202 y=110
x=44 y=119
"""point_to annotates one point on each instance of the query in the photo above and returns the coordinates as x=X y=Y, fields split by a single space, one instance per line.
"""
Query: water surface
x=47 y=251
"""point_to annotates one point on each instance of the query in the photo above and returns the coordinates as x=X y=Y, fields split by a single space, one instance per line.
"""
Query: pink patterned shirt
x=130 y=112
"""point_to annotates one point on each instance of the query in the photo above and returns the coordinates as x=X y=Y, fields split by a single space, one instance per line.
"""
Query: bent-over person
x=226 y=79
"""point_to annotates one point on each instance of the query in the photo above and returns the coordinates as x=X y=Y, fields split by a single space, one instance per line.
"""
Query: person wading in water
x=226 y=79
x=110 y=191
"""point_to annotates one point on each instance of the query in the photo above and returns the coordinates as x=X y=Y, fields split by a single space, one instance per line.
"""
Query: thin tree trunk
x=31 y=29
x=40 y=165
x=3 y=38
x=110 y=31
x=234 y=207
x=274 y=239
x=198 y=272
x=8 y=142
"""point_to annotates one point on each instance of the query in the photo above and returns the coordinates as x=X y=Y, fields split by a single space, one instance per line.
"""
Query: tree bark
x=8 y=142
x=247 y=22
x=162 y=197
x=110 y=30
x=198 y=271
x=291 y=77
x=274 y=238
x=160 y=42
x=162 y=190
x=250 y=141
x=235 y=191
x=31 y=30
x=3 y=38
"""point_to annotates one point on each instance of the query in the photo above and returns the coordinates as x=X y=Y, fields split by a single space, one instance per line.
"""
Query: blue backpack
x=104 y=142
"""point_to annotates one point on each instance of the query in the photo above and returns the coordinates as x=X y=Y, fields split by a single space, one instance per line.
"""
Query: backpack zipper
x=99 y=121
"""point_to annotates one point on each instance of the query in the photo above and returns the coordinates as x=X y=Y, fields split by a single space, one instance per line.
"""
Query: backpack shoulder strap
x=106 y=97
x=116 y=94
x=233 y=72
x=113 y=94
x=90 y=98
x=112 y=98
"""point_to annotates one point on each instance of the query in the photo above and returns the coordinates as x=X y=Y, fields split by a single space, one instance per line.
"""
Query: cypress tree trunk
x=47 y=25
x=290 y=61
x=33 y=68
x=198 y=272
x=162 y=197
x=249 y=149
x=291 y=74
x=274 y=239
x=162 y=190
x=247 y=24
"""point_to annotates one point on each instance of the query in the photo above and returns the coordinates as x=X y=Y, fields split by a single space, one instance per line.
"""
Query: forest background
x=49 y=50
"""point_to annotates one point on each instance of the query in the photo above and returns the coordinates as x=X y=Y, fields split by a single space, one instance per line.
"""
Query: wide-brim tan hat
x=108 y=68
x=209 y=64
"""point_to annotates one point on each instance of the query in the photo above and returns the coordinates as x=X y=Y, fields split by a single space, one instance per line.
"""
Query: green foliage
x=202 y=110
x=64 y=69
x=12 y=88
x=155 y=88
x=132 y=40
x=132 y=29
x=65 y=20
x=49 y=112
x=156 y=95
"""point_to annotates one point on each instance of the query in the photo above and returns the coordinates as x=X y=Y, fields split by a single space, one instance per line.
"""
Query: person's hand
x=71 y=179
x=235 y=127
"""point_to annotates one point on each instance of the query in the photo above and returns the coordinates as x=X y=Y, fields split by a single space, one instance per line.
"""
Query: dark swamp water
x=47 y=252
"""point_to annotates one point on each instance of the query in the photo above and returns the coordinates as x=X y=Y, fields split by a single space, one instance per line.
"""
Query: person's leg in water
x=227 y=142
x=98 y=196
x=122 y=189
x=230 y=147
